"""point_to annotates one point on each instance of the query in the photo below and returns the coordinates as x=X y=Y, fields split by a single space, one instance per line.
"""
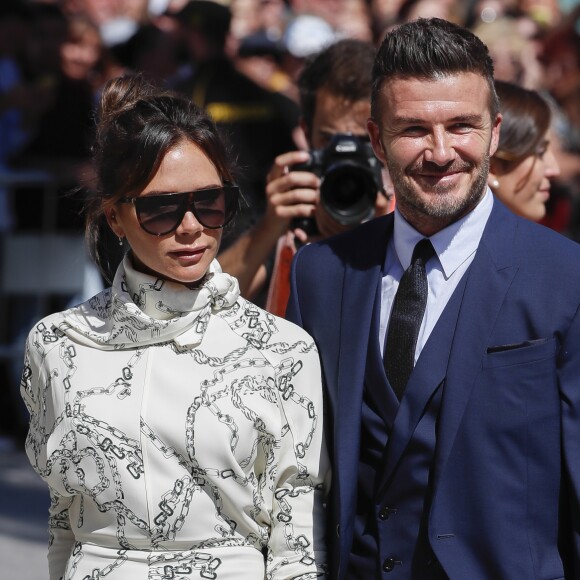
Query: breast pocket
x=527 y=352
x=518 y=405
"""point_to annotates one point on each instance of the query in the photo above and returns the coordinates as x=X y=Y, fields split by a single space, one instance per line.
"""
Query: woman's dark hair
x=526 y=118
x=343 y=68
x=430 y=49
x=138 y=124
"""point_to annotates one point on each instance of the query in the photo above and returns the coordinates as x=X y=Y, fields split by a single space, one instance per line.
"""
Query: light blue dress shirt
x=455 y=248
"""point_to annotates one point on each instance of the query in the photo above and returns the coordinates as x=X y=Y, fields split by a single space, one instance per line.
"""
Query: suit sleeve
x=33 y=387
x=569 y=384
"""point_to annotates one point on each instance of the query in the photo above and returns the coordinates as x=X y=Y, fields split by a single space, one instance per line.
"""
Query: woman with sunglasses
x=178 y=426
x=524 y=165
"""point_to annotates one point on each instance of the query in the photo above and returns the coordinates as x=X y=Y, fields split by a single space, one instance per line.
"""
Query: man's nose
x=440 y=148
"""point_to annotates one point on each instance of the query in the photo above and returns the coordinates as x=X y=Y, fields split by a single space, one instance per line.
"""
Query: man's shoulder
x=361 y=239
x=539 y=242
x=544 y=258
x=530 y=238
x=363 y=246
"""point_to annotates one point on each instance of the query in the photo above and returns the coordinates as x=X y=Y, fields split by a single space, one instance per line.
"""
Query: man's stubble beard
x=442 y=205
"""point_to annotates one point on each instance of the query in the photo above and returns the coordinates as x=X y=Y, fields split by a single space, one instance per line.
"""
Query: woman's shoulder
x=96 y=306
x=262 y=328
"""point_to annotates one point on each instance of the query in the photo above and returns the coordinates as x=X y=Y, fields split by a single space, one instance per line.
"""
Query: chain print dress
x=180 y=434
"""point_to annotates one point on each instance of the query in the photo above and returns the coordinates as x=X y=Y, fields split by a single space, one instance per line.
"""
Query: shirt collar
x=453 y=245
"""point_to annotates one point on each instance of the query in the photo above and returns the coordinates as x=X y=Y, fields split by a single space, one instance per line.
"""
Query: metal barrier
x=37 y=266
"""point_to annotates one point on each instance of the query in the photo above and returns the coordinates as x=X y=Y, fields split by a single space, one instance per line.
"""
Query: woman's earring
x=120 y=241
x=495 y=183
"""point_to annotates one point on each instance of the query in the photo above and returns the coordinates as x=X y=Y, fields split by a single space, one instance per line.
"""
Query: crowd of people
x=273 y=75
x=243 y=61
x=318 y=228
x=240 y=60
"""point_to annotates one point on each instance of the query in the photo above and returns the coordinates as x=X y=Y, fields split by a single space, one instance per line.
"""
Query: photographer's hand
x=290 y=194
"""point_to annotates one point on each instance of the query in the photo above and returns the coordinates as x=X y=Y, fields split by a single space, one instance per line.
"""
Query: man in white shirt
x=449 y=336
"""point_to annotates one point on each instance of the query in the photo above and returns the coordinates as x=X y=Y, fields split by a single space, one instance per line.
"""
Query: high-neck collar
x=141 y=309
x=165 y=300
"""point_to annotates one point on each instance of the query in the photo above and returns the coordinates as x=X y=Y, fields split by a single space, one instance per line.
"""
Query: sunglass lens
x=162 y=214
x=210 y=207
x=159 y=216
x=231 y=203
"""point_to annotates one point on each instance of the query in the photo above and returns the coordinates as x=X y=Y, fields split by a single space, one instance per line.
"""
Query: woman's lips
x=544 y=194
x=188 y=254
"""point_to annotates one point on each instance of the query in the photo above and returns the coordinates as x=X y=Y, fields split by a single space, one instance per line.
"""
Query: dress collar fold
x=140 y=309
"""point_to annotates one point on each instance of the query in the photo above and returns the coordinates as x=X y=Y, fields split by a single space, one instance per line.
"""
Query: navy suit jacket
x=506 y=480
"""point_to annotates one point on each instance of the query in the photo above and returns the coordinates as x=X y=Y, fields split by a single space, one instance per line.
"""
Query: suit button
x=386 y=513
x=390 y=563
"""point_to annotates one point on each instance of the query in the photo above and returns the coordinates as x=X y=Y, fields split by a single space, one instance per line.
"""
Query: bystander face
x=335 y=88
x=524 y=165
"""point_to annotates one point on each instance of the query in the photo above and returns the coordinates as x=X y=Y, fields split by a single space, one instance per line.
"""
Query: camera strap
x=279 y=289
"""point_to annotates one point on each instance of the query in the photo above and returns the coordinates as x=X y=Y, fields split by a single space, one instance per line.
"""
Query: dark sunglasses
x=161 y=214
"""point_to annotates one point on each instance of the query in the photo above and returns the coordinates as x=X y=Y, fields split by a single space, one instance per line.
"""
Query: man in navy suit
x=472 y=471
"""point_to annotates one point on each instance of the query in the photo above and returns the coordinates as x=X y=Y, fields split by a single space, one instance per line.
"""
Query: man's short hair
x=344 y=69
x=431 y=48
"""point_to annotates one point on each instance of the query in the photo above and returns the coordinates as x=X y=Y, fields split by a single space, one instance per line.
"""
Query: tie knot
x=423 y=251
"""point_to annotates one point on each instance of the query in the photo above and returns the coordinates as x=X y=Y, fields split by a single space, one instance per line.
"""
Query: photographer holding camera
x=314 y=194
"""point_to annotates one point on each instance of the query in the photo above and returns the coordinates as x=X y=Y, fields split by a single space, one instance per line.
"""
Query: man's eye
x=462 y=127
x=414 y=130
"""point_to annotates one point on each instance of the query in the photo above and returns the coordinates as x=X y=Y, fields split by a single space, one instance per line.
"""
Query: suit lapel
x=426 y=377
x=453 y=351
x=362 y=276
x=377 y=387
x=490 y=275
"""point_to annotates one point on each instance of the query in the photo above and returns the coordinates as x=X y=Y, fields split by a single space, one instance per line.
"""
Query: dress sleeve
x=61 y=539
x=33 y=390
x=297 y=540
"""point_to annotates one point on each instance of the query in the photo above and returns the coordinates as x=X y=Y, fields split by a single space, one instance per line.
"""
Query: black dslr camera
x=351 y=177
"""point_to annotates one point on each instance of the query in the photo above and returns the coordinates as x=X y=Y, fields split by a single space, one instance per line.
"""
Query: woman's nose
x=552 y=168
x=189 y=224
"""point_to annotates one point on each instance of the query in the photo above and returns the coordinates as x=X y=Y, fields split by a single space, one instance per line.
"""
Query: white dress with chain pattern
x=180 y=433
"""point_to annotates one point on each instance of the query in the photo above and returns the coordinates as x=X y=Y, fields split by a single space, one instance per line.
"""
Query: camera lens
x=348 y=193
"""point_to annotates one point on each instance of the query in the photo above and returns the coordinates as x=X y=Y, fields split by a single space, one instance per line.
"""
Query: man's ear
x=495 y=128
x=375 y=136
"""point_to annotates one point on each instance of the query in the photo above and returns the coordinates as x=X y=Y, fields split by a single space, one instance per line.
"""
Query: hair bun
x=122 y=93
